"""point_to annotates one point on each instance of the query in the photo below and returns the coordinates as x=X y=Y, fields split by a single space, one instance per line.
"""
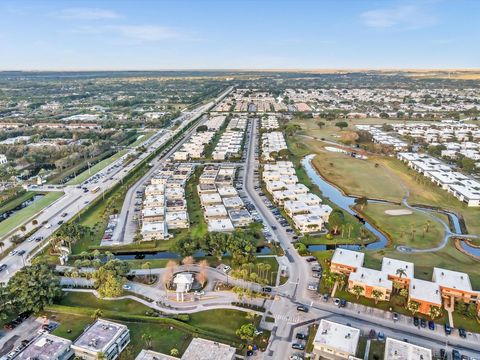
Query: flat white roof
x=371 y=277
x=425 y=291
x=348 y=257
x=99 y=335
x=390 y=267
x=400 y=350
x=338 y=336
x=452 y=279
x=220 y=225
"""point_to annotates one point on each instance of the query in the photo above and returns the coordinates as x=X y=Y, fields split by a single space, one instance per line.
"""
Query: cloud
x=145 y=32
x=142 y=33
x=404 y=17
x=87 y=14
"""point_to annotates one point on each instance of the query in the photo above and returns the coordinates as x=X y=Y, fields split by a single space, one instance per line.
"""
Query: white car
x=13 y=252
x=48 y=226
x=199 y=293
x=127 y=287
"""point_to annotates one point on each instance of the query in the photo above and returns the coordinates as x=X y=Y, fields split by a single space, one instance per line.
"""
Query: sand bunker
x=398 y=212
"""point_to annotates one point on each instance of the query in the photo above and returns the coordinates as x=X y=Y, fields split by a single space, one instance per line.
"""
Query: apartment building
x=335 y=341
x=46 y=347
x=401 y=350
x=102 y=337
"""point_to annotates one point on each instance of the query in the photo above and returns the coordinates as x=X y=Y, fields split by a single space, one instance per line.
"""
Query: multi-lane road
x=77 y=197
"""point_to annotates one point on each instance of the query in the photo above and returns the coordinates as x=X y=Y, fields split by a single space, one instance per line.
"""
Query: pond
x=475 y=251
x=261 y=250
x=342 y=201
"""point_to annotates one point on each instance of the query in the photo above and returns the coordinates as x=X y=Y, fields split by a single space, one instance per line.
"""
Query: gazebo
x=183 y=283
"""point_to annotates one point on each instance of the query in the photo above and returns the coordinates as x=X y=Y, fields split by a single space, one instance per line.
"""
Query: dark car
x=416 y=321
x=301 y=336
x=267 y=289
x=21 y=252
x=343 y=302
x=311 y=259
x=60 y=222
x=456 y=354
x=443 y=354
x=381 y=337
x=448 y=329
x=462 y=333
x=431 y=325
x=302 y=308
x=3 y=267
x=423 y=323
x=298 y=346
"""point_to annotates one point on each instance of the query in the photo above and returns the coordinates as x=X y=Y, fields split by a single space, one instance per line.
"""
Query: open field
x=96 y=168
x=358 y=177
x=74 y=314
x=23 y=215
x=416 y=230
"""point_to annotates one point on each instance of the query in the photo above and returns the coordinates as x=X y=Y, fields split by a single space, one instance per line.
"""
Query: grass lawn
x=79 y=299
x=163 y=337
x=96 y=168
x=357 y=177
x=377 y=349
x=12 y=204
x=416 y=230
x=27 y=213
x=141 y=138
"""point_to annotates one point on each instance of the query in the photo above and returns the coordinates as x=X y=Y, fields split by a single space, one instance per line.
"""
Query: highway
x=78 y=197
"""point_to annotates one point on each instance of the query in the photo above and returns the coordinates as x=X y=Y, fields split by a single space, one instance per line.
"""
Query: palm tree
x=145 y=266
x=147 y=338
x=413 y=306
x=377 y=295
x=401 y=272
x=97 y=314
x=358 y=290
x=435 y=311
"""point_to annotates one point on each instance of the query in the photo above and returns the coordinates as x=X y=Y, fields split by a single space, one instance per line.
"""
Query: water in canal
x=23 y=205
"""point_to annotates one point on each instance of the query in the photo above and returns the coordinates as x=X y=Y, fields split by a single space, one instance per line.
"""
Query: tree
x=361 y=202
x=110 y=277
x=336 y=220
x=435 y=311
x=413 y=306
x=358 y=290
x=188 y=261
x=169 y=271
x=97 y=314
x=174 y=352
x=148 y=266
x=246 y=332
x=404 y=293
x=34 y=222
x=23 y=228
x=202 y=274
x=320 y=124
x=34 y=287
x=341 y=124
x=377 y=295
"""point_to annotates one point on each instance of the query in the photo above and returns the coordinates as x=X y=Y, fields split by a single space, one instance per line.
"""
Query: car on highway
x=3 y=267
x=302 y=308
x=48 y=226
x=13 y=252
x=298 y=346
x=60 y=222
x=39 y=238
x=301 y=336
x=21 y=252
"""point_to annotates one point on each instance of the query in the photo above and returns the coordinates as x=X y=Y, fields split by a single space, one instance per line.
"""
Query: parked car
x=297 y=346
x=423 y=323
x=301 y=336
x=127 y=287
x=448 y=329
x=456 y=355
x=336 y=301
x=395 y=317
x=416 y=321
x=462 y=333
x=311 y=259
x=267 y=289
x=431 y=325
x=302 y=308
x=443 y=354
x=381 y=337
x=326 y=296
x=343 y=302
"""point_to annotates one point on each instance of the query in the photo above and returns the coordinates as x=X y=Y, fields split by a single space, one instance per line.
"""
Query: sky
x=238 y=34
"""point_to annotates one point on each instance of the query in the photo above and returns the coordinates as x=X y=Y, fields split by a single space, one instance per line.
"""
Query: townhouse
x=335 y=341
